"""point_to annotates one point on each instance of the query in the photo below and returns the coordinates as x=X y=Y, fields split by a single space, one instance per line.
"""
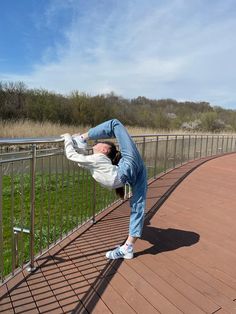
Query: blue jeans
x=131 y=170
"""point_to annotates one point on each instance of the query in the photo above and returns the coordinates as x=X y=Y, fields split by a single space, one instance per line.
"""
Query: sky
x=179 y=49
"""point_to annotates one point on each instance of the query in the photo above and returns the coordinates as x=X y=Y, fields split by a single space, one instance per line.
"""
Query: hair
x=115 y=155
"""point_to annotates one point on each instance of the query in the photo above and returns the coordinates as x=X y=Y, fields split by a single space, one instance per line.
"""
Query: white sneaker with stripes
x=121 y=252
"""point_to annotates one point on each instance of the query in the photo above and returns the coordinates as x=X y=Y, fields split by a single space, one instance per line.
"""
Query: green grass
x=62 y=202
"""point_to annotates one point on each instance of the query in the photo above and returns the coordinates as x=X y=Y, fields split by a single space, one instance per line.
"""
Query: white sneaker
x=120 y=252
x=79 y=143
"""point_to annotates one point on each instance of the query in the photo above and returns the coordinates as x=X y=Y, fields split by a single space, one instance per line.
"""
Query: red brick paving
x=185 y=262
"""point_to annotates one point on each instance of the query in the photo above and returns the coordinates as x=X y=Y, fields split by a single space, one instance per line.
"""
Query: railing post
x=212 y=142
x=156 y=154
x=227 y=144
x=16 y=255
x=232 y=142
x=182 y=150
x=166 y=152
x=94 y=202
x=189 y=143
x=13 y=236
x=143 y=148
x=217 y=145
x=62 y=196
x=32 y=212
x=1 y=231
x=201 y=147
x=175 y=144
x=223 y=140
x=206 y=153
x=195 y=145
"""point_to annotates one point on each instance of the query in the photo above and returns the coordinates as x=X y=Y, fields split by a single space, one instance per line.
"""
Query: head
x=101 y=147
x=109 y=149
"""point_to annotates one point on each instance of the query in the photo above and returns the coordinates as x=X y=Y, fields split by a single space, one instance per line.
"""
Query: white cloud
x=171 y=49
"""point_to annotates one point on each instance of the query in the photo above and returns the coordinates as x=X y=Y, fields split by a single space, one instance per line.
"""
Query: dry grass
x=19 y=129
x=23 y=129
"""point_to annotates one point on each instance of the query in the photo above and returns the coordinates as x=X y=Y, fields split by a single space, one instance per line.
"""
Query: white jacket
x=99 y=165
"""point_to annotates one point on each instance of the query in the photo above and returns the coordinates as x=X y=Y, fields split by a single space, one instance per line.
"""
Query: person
x=128 y=168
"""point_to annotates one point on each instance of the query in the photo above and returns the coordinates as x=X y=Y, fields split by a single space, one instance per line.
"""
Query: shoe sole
x=128 y=257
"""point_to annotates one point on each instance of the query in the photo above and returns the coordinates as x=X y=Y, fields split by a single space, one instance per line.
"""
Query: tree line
x=17 y=101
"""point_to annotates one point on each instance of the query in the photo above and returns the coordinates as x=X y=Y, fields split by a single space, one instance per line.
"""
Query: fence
x=44 y=197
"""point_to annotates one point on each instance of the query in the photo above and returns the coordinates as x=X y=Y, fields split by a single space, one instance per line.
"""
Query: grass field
x=61 y=204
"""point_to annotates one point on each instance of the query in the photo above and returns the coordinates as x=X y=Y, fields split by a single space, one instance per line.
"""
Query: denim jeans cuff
x=135 y=235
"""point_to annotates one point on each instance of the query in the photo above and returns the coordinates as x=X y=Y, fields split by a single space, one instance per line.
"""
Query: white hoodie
x=99 y=165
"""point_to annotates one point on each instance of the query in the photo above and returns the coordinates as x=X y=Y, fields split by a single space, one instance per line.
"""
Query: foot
x=79 y=143
x=120 y=252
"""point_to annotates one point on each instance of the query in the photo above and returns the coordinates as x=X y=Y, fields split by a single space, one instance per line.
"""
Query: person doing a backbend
x=113 y=171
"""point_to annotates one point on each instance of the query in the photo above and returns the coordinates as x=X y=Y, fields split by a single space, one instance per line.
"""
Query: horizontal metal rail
x=44 y=140
x=32 y=140
x=44 y=197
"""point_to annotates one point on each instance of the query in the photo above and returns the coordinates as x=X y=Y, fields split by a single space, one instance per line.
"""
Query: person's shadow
x=163 y=240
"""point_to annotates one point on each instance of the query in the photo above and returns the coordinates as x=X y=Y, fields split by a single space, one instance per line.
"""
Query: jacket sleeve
x=84 y=161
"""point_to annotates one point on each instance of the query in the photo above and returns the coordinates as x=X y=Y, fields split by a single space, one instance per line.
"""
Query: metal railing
x=44 y=197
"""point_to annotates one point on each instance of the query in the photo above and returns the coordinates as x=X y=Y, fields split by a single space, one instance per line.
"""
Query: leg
x=114 y=128
x=138 y=204
x=137 y=214
x=131 y=240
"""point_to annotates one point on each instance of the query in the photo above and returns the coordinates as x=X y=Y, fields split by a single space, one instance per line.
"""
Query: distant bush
x=19 y=102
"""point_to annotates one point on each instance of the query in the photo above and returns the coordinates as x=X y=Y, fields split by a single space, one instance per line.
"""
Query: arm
x=70 y=152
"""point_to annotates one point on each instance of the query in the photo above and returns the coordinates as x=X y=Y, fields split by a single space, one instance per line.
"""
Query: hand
x=65 y=135
x=76 y=134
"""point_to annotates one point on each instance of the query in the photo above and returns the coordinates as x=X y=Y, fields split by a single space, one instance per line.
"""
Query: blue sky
x=180 y=49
